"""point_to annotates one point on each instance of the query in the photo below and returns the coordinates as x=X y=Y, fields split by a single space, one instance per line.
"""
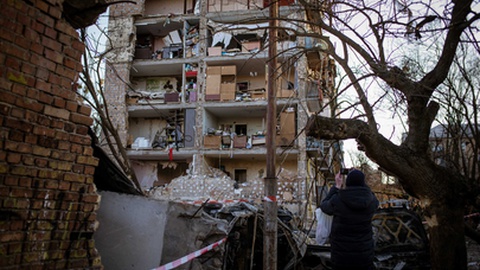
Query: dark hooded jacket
x=351 y=236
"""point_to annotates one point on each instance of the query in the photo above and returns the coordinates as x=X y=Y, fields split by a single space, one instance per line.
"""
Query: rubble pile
x=215 y=186
x=288 y=187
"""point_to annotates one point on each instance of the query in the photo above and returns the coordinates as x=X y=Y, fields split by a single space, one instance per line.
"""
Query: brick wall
x=48 y=200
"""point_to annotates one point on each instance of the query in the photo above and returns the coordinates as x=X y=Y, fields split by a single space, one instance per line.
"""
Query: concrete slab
x=131 y=230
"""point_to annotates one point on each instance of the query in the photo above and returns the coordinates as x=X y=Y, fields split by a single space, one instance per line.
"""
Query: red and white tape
x=191 y=256
x=472 y=215
x=270 y=198
x=216 y=201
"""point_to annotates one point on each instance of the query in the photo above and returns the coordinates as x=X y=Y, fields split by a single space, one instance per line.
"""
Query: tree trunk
x=447 y=240
x=440 y=190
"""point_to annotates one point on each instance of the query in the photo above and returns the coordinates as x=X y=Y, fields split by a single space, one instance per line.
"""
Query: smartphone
x=344 y=171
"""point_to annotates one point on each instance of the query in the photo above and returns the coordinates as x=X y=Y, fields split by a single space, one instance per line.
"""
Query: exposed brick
x=21 y=7
x=57 y=124
x=50 y=32
x=62 y=136
x=22 y=42
x=55 y=12
x=18 y=124
x=63 y=145
x=51 y=44
x=84 y=140
x=25 y=20
x=36 y=49
x=89 y=180
x=43 y=131
x=46 y=20
x=29 y=104
x=23 y=171
x=57 y=112
x=17 y=77
x=51 y=184
x=28 y=160
x=21 y=193
x=85 y=110
x=13 y=63
x=70 y=196
x=25 y=182
x=4 y=109
x=71 y=106
x=73 y=177
x=72 y=53
x=48 y=174
x=42 y=73
x=41 y=151
x=64 y=185
x=41 y=162
x=11 y=181
x=14 y=158
x=77 y=187
x=62 y=92
x=55 y=79
x=43 y=62
x=89 y=170
x=28 y=68
x=6 y=34
x=70 y=63
x=45 y=98
x=17 y=113
x=39 y=59
x=47 y=142
x=32 y=93
x=7 y=97
x=18 y=147
x=76 y=148
x=43 y=85
x=59 y=102
x=12 y=236
x=55 y=57
x=43 y=6
x=14 y=248
x=16 y=135
x=88 y=151
x=44 y=120
x=17 y=52
x=20 y=89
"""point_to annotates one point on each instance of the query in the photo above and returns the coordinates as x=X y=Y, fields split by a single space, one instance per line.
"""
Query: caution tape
x=191 y=256
x=472 y=215
x=215 y=201
x=270 y=198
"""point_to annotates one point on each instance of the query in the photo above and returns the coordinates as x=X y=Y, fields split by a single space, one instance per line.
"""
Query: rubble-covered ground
x=217 y=186
x=473 y=254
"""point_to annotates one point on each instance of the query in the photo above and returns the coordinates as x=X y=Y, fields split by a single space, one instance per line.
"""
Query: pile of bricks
x=47 y=196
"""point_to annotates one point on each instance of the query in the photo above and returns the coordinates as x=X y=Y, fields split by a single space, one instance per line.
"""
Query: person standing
x=352 y=208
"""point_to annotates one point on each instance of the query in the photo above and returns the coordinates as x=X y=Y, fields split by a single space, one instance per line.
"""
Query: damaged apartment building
x=186 y=86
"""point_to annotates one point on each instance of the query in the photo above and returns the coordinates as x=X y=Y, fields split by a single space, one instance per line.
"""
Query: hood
x=356 y=197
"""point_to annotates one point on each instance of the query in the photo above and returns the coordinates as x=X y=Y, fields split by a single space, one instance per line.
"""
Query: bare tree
x=372 y=34
x=92 y=92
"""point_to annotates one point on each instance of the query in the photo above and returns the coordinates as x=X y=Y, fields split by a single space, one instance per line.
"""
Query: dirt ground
x=473 y=255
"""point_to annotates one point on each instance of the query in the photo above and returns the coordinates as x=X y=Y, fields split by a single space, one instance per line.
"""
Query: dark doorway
x=240 y=129
x=240 y=175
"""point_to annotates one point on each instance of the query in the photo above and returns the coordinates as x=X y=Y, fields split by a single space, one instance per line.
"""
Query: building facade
x=186 y=85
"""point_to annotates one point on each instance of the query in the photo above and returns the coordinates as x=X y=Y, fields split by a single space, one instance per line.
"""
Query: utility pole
x=270 y=185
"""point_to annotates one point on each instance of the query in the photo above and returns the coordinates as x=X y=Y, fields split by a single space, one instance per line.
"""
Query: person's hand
x=338 y=180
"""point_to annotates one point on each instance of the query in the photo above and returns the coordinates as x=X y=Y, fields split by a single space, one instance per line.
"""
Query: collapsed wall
x=214 y=184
